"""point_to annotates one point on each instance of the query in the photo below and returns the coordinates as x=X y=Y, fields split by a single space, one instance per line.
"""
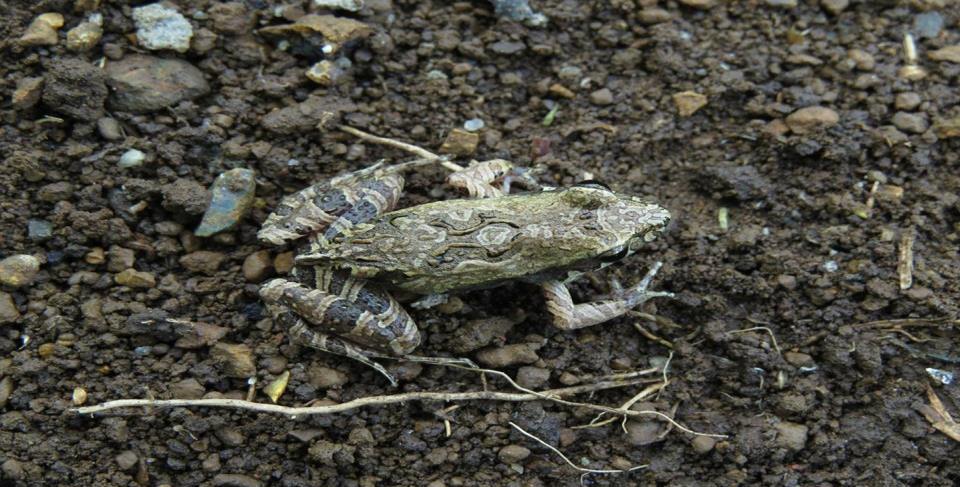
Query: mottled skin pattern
x=359 y=250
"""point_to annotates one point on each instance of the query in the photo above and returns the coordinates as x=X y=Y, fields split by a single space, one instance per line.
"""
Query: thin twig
x=905 y=259
x=564 y=457
x=763 y=328
x=909 y=322
x=418 y=151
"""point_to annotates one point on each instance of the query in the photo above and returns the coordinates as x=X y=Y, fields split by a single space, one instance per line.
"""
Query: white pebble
x=131 y=158
x=473 y=125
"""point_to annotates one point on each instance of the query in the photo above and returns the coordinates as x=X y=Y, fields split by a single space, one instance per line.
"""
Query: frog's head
x=623 y=223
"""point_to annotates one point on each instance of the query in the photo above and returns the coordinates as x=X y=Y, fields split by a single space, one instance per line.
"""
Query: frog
x=361 y=250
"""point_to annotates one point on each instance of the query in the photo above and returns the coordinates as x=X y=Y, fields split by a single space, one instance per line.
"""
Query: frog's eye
x=593 y=183
x=616 y=254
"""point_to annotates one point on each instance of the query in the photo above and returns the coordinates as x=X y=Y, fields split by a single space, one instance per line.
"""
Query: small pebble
x=43 y=30
x=236 y=360
x=160 y=26
x=131 y=158
x=703 y=444
x=460 y=142
x=233 y=195
x=688 y=102
x=126 y=460
x=701 y=4
x=136 y=279
x=928 y=25
x=532 y=377
x=188 y=388
x=120 y=258
x=562 y=91
x=513 y=453
x=18 y=270
x=283 y=262
x=39 y=229
x=86 y=35
x=235 y=480
x=863 y=60
x=473 y=125
x=835 y=7
x=653 y=15
x=907 y=101
x=782 y=3
x=949 y=54
x=8 y=309
x=109 y=129
x=325 y=73
x=914 y=123
x=791 y=435
x=202 y=261
x=95 y=256
x=257 y=266
x=27 y=93
x=146 y=83
x=506 y=356
x=601 y=97
x=810 y=119
x=325 y=378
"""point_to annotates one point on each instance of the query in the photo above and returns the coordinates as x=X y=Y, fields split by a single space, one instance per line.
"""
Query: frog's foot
x=478 y=179
x=332 y=208
x=300 y=332
x=570 y=316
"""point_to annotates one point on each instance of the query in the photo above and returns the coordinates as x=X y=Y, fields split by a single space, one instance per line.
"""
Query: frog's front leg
x=478 y=179
x=570 y=316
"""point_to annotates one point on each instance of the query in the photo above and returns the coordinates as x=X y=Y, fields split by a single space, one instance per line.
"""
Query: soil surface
x=819 y=164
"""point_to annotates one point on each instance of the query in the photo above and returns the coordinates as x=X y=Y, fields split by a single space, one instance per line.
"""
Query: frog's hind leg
x=570 y=316
x=299 y=331
x=332 y=207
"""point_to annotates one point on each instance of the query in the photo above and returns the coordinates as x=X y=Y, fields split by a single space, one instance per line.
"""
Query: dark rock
x=75 y=88
x=146 y=83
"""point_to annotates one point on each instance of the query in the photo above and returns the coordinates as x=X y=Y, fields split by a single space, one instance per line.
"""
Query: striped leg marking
x=570 y=316
x=371 y=319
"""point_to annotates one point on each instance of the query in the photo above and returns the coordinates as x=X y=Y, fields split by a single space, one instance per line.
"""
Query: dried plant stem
x=761 y=328
x=396 y=144
x=357 y=403
x=564 y=457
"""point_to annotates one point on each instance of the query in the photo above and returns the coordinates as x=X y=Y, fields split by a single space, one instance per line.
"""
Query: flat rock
x=307 y=115
x=42 y=31
x=950 y=54
x=146 y=83
x=136 y=279
x=257 y=266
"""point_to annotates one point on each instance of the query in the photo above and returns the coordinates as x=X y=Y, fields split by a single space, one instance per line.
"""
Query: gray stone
x=38 y=230
x=511 y=454
x=8 y=309
x=233 y=194
x=914 y=123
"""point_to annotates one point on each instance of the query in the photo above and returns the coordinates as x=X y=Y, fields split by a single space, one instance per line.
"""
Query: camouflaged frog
x=361 y=248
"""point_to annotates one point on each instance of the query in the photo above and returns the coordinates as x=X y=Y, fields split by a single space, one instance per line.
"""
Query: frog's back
x=462 y=244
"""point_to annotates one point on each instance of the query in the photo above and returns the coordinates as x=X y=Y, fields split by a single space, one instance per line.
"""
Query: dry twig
x=939 y=417
x=418 y=151
x=762 y=328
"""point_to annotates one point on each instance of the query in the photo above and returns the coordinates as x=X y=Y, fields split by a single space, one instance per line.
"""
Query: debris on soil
x=336 y=31
x=232 y=197
x=810 y=119
x=86 y=35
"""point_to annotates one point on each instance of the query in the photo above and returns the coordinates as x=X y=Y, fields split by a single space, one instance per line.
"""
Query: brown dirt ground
x=836 y=405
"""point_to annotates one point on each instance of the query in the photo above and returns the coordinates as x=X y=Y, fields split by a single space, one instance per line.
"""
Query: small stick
x=396 y=144
x=908 y=322
x=905 y=262
x=564 y=457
